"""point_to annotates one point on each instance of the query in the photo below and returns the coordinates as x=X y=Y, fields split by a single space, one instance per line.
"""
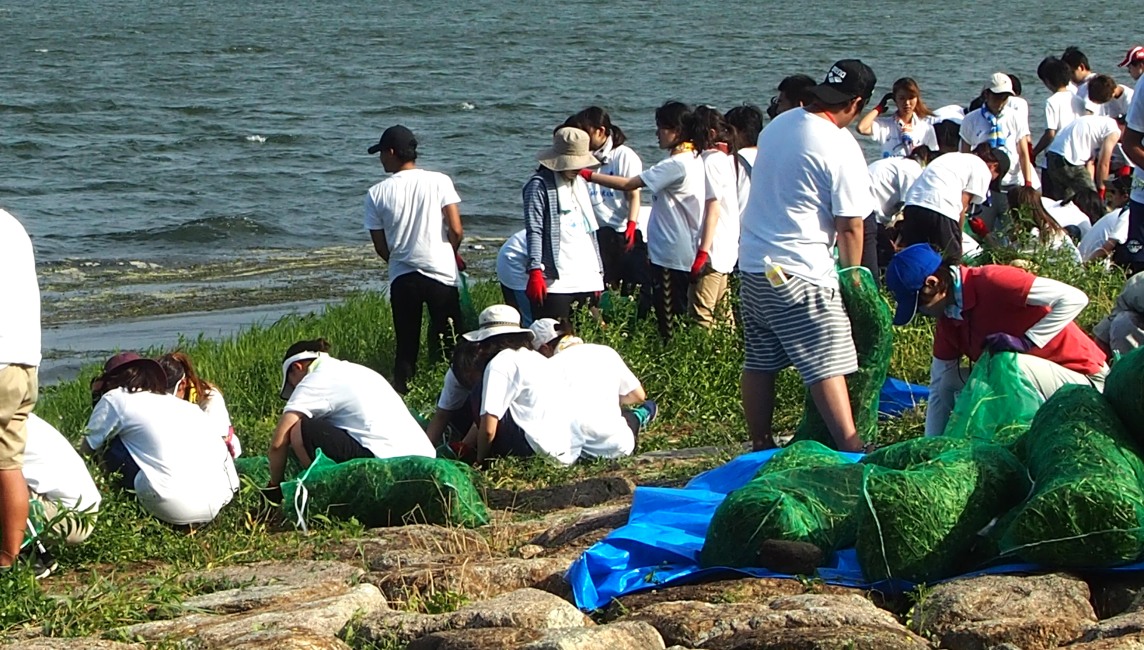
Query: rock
x=244 y=599
x=1115 y=594
x=679 y=455
x=594 y=523
x=723 y=591
x=823 y=638
x=792 y=558
x=296 y=573
x=581 y=494
x=86 y=643
x=285 y=640
x=529 y=551
x=618 y=636
x=1130 y=642
x=1117 y=626
x=475 y=579
x=326 y=617
x=1033 y=612
x=421 y=538
x=709 y=625
x=524 y=608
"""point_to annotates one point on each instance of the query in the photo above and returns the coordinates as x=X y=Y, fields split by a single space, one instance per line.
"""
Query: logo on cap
x=836 y=75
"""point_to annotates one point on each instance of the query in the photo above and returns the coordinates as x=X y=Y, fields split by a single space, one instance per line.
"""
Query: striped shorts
x=796 y=323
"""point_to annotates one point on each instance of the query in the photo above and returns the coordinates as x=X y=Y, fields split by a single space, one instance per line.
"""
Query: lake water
x=176 y=135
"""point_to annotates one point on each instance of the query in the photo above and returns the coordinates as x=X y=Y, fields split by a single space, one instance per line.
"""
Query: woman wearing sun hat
x=564 y=266
x=166 y=449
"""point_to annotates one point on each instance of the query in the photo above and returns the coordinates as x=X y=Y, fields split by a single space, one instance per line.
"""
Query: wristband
x=586 y=174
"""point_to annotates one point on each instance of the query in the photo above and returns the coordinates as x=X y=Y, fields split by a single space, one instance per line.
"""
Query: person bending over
x=183 y=382
x=59 y=483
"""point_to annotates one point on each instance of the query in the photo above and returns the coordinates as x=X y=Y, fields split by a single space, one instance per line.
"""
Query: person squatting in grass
x=415 y=224
x=169 y=451
x=995 y=308
x=60 y=485
x=809 y=189
x=183 y=382
x=611 y=405
x=344 y=409
x=678 y=193
x=564 y=266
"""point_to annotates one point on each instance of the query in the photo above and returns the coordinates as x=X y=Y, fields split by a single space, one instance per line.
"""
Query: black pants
x=612 y=254
x=116 y=458
x=922 y=225
x=407 y=294
x=561 y=305
x=335 y=443
x=669 y=296
x=509 y=439
x=870 y=228
x=1130 y=254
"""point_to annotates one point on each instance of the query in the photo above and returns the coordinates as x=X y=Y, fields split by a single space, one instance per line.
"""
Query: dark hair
x=703 y=121
x=1121 y=184
x=922 y=154
x=313 y=345
x=489 y=348
x=465 y=359
x=1031 y=198
x=1054 y=72
x=948 y=135
x=1089 y=202
x=977 y=102
x=911 y=88
x=595 y=117
x=178 y=366
x=1074 y=58
x=746 y=123
x=1013 y=79
x=131 y=378
x=1100 y=88
x=797 y=87
x=675 y=116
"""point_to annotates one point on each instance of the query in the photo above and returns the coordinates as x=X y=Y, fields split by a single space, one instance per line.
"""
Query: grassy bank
x=125 y=572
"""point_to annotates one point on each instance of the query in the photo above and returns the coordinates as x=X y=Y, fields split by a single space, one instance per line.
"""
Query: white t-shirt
x=578 y=263
x=1113 y=225
x=407 y=206
x=677 y=190
x=890 y=179
x=809 y=172
x=1067 y=215
x=215 y=407
x=1014 y=125
x=597 y=378
x=720 y=184
x=941 y=183
x=522 y=383
x=1111 y=108
x=453 y=394
x=745 y=158
x=951 y=112
x=55 y=471
x=174 y=443
x=512 y=262
x=1135 y=120
x=1061 y=108
x=20 y=327
x=1078 y=142
x=612 y=205
x=363 y=404
x=898 y=138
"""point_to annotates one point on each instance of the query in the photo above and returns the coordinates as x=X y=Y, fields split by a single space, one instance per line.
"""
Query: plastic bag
x=997 y=403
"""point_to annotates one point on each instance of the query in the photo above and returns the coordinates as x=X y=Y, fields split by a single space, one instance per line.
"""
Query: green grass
x=123 y=574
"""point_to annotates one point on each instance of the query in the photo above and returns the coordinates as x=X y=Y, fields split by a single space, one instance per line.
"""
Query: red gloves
x=1101 y=192
x=461 y=266
x=586 y=174
x=701 y=259
x=630 y=236
x=537 y=288
x=978 y=227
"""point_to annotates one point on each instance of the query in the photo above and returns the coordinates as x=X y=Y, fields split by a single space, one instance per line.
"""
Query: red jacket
x=992 y=301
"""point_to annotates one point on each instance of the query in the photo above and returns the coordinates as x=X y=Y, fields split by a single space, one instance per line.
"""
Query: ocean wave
x=197 y=231
x=245 y=49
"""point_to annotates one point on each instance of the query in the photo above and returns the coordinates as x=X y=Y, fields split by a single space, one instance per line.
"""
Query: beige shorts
x=19 y=388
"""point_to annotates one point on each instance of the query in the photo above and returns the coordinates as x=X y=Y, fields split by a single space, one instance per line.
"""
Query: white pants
x=195 y=504
x=1047 y=378
x=1122 y=332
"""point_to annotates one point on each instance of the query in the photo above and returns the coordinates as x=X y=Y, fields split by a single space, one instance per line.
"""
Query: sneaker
x=47 y=559
x=31 y=559
x=646 y=412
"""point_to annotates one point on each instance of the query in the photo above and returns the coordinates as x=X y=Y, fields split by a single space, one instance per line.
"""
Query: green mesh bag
x=1088 y=506
x=907 y=453
x=798 y=455
x=469 y=319
x=1124 y=389
x=386 y=492
x=997 y=403
x=871 y=328
x=919 y=523
x=809 y=504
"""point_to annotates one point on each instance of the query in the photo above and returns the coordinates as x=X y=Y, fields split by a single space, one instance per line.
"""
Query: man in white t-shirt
x=1108 y=98
x=1061 y=108
x=1081 y=71
x=1001 y=124
x=810 y=189
x=59 y=482
x=937 y=203
x=345 y=409
x=19 y=388
x=1089 y=140
x=1131 y=254
x=415 y=224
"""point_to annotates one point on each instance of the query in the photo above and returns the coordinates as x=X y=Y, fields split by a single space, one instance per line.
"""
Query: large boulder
x=617 y=636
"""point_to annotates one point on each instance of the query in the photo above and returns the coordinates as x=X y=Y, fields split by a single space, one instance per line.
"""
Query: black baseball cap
x=847 y=79
x=395 y=137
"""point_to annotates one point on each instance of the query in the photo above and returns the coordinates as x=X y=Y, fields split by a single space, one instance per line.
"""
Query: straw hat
x=569 y=151
x=497 y=320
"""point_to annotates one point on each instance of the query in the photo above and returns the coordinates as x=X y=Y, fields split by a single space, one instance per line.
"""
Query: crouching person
x=166 y=449
x=59 y=483
x=601 y=385
x=996 y=308
x=345 y=409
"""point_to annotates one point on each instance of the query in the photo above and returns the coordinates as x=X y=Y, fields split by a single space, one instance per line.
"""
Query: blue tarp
x=660 y=544
x=898 y=396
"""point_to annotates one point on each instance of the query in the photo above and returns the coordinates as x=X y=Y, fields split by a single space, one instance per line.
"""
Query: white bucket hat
x=569 y=151
x=494 y=321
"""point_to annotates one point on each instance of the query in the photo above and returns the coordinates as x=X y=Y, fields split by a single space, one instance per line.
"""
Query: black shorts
x=338 y=445
x=921 y=225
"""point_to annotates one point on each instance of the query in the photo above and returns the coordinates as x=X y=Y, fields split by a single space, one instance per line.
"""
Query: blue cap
x=905 y=276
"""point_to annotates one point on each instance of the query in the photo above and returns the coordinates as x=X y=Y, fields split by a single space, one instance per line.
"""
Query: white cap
x=496 y=320
x=543 y=331
x=1000 y=83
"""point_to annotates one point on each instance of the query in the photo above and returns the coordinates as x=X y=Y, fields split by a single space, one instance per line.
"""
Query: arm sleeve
x=498 y=389
x=713 y=182
x=943 y=391
x=1064 y=302
x=372 y=218
x=102 y=425
x=663 y=174
x=453 y=394
x=449 y=194
x=628 y=162
x=308 y=399
x=535 y=206
x=879 y=131
x=929 y=136
x=979 y=180
x=1052 y=115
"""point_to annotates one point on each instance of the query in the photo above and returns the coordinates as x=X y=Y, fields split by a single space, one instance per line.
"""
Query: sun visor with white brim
x=287 y=389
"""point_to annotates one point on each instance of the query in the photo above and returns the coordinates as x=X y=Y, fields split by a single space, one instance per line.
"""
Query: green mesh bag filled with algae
x=871 y=328
x=802 y=454
x=997 y=403
x=815 y=505
x=386 y=492
x=919 y=523
x=1087 y=509
x=907 y=453
x=1124 y=389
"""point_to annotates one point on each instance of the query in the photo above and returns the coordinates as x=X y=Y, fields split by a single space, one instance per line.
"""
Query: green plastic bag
x=469 y=318
x=871 y=326
x=997 y=403
x=386 y=492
